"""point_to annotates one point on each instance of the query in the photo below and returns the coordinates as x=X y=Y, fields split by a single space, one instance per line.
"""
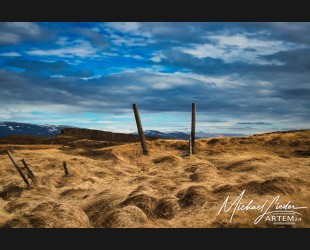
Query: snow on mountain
x=16 y=128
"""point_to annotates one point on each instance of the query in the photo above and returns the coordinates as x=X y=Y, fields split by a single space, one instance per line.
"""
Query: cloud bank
x=244 y=77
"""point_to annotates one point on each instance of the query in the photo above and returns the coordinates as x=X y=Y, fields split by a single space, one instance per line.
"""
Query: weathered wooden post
x=66 y=168
x=193 y=127
x=30 y=173
x=18 y=168
x=190 y=145
x=140 y=130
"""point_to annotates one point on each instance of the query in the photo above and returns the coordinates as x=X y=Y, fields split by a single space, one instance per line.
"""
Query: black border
x=155 y=238
x=198 y=11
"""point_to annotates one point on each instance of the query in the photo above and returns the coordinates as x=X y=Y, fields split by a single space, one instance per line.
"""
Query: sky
x=245 y=78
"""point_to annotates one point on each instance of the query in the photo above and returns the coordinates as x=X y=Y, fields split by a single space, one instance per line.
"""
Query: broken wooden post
x=31 y=175
x=190 y=145
x=193 y=127
x=66 y=169
x=18 y=168
x=140 y=130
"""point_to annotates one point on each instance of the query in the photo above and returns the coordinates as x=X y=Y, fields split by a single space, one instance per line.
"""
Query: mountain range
x=184 y=136
x=17 y=128
x=14 y=128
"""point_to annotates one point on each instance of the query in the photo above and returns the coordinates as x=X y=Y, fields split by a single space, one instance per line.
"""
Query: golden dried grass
x=116 y=186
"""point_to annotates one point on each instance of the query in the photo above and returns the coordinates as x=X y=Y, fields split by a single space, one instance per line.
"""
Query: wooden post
x=66 y=169
x=18 y=168
x=29 y=170
x=193 y=126
x=190 y=145
x=140 y=130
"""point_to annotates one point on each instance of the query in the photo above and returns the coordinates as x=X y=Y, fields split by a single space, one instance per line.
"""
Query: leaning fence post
x=140 y=130
x=66 y=168
x=31 y=175
x=190 y=145
x=193 y=126
x=18 y=168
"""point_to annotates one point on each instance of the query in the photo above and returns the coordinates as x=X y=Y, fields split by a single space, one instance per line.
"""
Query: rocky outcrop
x=101 y=135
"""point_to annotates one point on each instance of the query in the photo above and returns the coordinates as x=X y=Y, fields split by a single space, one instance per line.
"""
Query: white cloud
x=239 y=47
x=261 y=46
x=91 y=77
x=138 y=57
x=221 y=81
x=133 y=34
x=15 y=32
x=291 y=26
x=104 y=122
x=132 y=27
x=13 y=54
x=6 y=37
x=24 y=27
x=128 y=40
x=157 y=57
x=77 y=48
x=266 y=92
x=57 y=76
x=156 y=79
x=62 y=41
x=205 y=50
x=108 y=54
x=163 y=81
x=5 y=114
x=24 y=110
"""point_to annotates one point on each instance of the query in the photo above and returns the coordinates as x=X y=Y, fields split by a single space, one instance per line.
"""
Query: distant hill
x=201 y=134
x=95 y=134
x=167 y=135
x=16 y=128
x=184 y=136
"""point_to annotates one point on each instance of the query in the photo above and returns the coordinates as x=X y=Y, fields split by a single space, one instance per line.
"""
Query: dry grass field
x=114 y=185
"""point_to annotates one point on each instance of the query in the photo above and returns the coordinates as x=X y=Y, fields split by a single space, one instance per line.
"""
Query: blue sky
x=244 y=77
